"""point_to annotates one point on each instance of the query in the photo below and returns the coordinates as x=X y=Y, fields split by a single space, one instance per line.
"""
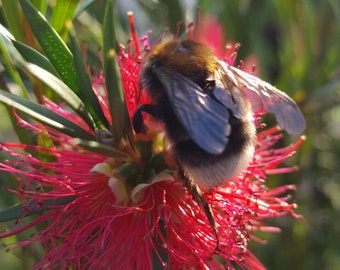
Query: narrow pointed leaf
x=82 y=6
x=112 y=74
x=45 y=116
x=87 y=95
x=62 y=90
x=9 y=53
x=53 y=46
x=63 y=12
x=11 y=11
x=32 y=207
x=35 y=57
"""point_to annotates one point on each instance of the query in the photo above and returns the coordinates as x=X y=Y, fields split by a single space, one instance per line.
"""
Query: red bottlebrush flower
x=99 y=212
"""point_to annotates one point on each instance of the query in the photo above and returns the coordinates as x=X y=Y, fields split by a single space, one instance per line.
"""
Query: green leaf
x=52 y=44
x=87 y=95
x=100 y=148
x=41 y=5
x=176 y=13
x=63 y=12
x=12 y=12
x=45 y=116
x=113 y=81
x=9 y=53
x=62 y=90
x=35 y=57
x=32 y=206
x=82 y=6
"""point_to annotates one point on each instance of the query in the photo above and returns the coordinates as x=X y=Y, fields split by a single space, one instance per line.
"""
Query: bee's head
x=187 y=57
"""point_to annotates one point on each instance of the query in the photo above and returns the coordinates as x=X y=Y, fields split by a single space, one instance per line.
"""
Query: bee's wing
x=205 y=120
x=265 y=97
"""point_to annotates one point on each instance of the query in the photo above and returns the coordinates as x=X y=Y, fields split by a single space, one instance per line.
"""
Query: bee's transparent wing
x=205 y=120
x=265 y=97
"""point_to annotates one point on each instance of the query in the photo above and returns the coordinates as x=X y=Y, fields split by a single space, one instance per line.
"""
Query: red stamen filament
x=133 y=32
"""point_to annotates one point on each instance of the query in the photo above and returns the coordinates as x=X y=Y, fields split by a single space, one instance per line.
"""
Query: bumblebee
x=207 y=109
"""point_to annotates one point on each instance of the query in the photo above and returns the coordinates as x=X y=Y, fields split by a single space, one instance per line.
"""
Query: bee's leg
x=198 y=197
x=137 y=118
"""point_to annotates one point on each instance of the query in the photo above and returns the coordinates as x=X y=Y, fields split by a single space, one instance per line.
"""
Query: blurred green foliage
x=297 y=43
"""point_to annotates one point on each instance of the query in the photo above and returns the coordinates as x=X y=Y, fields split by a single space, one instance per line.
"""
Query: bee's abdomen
x=209 y=170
